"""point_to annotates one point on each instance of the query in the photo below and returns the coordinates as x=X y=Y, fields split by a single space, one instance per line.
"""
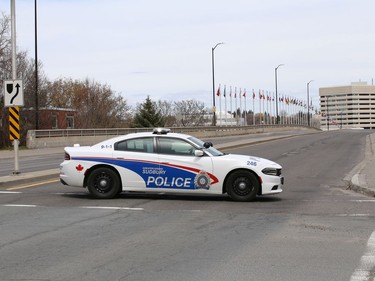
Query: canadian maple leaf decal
x=79 y=168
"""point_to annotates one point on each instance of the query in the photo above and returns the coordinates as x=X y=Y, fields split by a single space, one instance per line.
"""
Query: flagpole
x=264 y=109
x=220 y=107
x=225 y=104
x=244 y=95
x=235 y=99
x=260 y=107
x=253 y=108
x=240 y=105
x=230 y=95
x=282 y=109
x=273 y=108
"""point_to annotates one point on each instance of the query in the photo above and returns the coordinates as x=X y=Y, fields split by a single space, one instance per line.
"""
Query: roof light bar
x=161 y=131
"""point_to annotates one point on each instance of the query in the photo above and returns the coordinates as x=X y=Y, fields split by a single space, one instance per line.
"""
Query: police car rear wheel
x=103 y=183
x=242 y=186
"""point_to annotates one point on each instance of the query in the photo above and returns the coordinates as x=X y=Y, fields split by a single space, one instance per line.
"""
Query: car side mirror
x=207 y=144
x=198 y=153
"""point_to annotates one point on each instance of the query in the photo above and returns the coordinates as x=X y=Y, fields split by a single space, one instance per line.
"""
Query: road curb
x=363 y=190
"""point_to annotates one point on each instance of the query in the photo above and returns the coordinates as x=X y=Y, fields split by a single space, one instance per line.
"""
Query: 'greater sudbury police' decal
x=158 y=175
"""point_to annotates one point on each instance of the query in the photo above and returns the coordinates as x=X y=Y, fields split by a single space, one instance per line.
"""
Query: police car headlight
x=271 y=171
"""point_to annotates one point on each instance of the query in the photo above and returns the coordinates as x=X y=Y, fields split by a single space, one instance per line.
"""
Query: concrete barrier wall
x=33 y=141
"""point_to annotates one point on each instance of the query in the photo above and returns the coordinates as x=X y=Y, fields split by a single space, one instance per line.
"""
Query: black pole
x=36 y=70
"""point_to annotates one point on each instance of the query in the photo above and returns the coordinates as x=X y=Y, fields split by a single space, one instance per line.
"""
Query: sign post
x=13 y=93
x=13 y=98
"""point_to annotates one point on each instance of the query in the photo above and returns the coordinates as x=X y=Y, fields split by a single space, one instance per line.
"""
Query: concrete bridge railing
x=68 y=137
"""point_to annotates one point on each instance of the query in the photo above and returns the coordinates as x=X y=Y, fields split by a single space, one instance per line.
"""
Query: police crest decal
x=202 y=180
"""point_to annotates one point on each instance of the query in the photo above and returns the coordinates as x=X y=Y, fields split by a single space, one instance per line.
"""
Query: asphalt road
x=32 y=163
x=314 y=230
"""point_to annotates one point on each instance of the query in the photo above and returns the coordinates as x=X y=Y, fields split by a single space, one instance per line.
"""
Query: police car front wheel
x=103 y=183
x=242 y=186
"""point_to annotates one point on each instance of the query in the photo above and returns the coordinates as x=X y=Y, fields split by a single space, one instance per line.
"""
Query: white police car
x=167 y=162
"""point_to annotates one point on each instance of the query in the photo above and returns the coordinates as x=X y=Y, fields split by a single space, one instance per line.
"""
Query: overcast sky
x=163 y=48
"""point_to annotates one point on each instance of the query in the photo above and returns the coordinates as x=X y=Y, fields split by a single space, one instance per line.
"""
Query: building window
x=70 y=122
x=54 y=122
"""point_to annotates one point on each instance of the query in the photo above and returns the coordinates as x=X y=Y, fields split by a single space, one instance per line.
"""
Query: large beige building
x=348 y=106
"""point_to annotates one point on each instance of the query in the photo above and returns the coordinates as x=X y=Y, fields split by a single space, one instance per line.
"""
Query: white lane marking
x=366 y=268
x=10 y=192
x=354 y=200
x=19 y=205
x=82 y=207
x=353 y=215
x=111 y=208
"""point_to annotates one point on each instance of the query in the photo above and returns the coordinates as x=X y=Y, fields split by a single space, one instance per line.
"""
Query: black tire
x=242 y=186
x=104 y=183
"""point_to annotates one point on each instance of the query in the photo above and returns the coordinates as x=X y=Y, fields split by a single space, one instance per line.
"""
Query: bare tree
x=190 y=113
x=97 y=105
x=166 y=110
x=26 y=72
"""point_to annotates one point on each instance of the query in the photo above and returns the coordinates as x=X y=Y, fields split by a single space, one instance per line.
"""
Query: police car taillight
x=67 y=156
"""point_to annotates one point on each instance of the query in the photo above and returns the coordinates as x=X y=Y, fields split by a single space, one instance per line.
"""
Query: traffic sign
x=14 y=123
x=13 y=93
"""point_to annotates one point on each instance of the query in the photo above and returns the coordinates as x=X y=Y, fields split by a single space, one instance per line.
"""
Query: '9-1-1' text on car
x=161 y=161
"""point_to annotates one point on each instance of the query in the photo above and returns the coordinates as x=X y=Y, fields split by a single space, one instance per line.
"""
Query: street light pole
x=36 y=69
x=277 y=107
x=308 y=103
x=213 y=83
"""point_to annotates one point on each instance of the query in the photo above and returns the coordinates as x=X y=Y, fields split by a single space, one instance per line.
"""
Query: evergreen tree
x=148 y=116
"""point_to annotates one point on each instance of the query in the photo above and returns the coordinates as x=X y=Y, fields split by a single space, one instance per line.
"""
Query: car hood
x=251 y=160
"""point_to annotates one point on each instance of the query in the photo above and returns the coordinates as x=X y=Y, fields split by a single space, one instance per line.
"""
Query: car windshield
x=213 y=151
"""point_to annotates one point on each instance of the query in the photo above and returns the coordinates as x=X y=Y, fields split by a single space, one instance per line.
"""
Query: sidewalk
x=360 y=179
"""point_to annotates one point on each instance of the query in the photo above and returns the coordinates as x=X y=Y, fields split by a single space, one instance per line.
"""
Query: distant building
x=348 y=107
x=52 y=118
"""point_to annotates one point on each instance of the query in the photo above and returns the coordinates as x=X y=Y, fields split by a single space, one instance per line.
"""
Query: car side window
x=145 y=145
x=175 y=147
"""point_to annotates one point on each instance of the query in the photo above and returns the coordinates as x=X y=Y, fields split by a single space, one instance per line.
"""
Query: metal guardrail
x=124 y=131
